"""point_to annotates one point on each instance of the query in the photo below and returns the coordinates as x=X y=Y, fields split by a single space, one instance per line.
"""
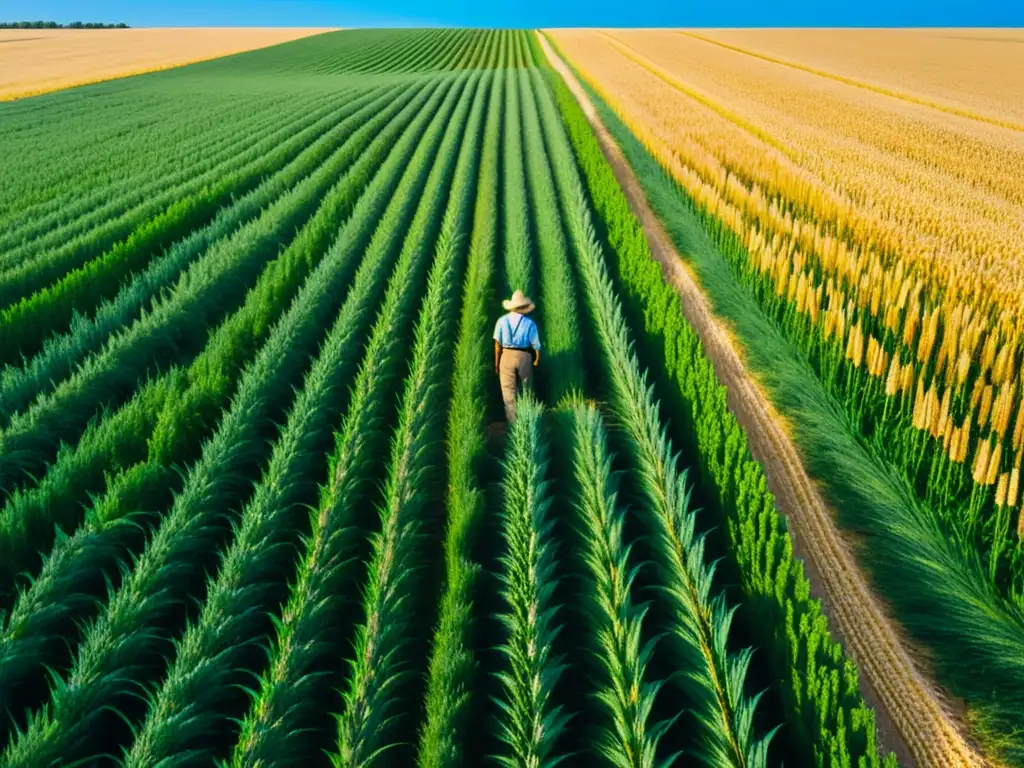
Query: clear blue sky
x=524 y=13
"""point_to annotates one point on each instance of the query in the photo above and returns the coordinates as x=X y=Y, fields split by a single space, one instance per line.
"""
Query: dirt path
x=913 y=719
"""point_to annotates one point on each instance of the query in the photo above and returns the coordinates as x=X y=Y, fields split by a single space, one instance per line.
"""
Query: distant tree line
x=55 y=25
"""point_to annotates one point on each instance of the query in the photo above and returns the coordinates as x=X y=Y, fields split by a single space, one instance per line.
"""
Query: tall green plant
x=372 y=701
x=625 y=693
x=166 y=431
x=310 y=632
x=530 y=721
x=234 y=614
x=36 y=321
x=452 y=668
x=209 y=290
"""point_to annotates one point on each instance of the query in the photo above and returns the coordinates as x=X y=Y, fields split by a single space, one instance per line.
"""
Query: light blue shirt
x=516 y=330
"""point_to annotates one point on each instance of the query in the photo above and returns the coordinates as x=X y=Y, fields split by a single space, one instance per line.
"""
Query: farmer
x=516 y=345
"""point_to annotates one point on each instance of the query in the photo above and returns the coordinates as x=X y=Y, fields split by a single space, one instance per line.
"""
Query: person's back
x=516 y=349
x=517 y=332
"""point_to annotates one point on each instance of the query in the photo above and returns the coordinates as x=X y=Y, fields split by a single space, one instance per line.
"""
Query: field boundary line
x=930 y=733
x=853 y=83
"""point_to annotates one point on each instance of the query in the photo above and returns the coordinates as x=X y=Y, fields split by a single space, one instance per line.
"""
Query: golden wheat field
x=34 y=61
x=894 y=223
x=940 y=190
x=974 y=70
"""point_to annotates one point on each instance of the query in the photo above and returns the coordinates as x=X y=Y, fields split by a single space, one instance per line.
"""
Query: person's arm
x=536 y=357
x=497 y=344
x=535 y=343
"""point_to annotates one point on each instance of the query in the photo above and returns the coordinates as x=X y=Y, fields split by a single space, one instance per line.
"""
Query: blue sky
x=525 y=13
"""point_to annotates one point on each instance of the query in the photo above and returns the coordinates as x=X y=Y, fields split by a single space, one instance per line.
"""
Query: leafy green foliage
x=86 y=292
x=276 y=725
x=207 y=291
x=192 y=524
x=185 y=418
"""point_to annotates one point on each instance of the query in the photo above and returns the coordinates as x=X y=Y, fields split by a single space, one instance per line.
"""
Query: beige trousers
x=514 y=370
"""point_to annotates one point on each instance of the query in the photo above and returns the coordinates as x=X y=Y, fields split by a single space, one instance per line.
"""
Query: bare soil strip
x=914 y=719
x=35 y=61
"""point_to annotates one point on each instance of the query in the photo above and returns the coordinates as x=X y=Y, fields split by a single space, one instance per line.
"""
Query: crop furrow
x=518 y=250
x=557 y=299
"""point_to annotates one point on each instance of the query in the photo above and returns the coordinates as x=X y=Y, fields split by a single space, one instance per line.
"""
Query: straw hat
x=518 y=303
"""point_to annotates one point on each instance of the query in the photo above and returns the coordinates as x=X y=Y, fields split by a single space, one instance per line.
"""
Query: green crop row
x=700 y=623
x=207 y=291
x=375 y=698
x=175 y=422
x=61 y=353
x=313 y=625
x=29 y=322
x=202 y=684
x=51 y=227
x=122 y=640
x=108 y=156
x=530 y=721
x=518 y=243
x=626 y=694
x=451 y=674
x=33 y=270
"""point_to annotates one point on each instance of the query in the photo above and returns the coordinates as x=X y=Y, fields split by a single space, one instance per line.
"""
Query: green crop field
x=255 y=508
